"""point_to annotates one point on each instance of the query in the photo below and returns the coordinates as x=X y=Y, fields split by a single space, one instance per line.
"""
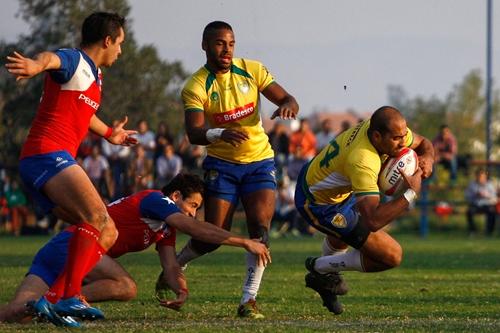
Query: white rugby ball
x=390 y=181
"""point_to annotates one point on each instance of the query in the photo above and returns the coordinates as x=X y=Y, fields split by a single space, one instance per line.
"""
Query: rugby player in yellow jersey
x=225 y=95
x=337 y=193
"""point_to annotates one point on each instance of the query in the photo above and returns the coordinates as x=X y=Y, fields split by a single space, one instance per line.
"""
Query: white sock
x=328 y=249
x=349 y=261
x=186 y=255
x=252 y=280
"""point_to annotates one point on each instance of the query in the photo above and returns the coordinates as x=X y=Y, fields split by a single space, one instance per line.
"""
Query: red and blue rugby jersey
x=71 y=96
x=140 y=220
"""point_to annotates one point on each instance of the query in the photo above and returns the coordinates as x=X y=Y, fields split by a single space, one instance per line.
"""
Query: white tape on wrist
x=410 y=195
x=214 y=134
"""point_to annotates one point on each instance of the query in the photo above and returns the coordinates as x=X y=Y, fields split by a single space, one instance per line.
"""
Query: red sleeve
x=168 y=241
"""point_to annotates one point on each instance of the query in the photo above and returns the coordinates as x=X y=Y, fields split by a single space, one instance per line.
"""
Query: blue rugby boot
x=77 y=307
x=44 y=309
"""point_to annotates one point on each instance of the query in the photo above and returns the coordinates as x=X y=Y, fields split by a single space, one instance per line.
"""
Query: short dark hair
x=185 y=183
x=213 y=26
x=99 y=25
x=381 y=119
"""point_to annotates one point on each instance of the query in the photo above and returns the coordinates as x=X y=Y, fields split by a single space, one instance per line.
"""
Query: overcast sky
x=314 y=48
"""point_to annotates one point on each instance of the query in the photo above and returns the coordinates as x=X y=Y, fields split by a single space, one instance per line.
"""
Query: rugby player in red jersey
x=142 y=219
x=67 y=110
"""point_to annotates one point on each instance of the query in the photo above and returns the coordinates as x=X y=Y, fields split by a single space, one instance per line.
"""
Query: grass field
x=446 y=283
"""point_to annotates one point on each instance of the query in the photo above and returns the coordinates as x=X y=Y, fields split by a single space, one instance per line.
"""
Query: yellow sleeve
x=194 y=96
x=409 y=138
x=262 y=76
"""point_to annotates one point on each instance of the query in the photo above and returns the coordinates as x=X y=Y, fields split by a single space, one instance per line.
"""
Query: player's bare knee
x=109 y=234
x=127 y=288
x=98 y=219
x=395 y=257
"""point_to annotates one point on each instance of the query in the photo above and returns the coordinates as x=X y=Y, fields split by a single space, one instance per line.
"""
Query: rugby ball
x=390 y=181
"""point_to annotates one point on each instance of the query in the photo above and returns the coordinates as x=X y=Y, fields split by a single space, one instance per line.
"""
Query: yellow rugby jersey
x=348 y=164
x=232 y=100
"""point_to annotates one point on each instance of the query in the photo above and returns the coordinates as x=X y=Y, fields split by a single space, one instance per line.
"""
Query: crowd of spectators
x=117 y=171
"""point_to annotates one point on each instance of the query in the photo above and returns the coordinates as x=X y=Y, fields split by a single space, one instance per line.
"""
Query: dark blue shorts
x=229 y=181
x=36 y=170
x=50 y=260
x=336 y=219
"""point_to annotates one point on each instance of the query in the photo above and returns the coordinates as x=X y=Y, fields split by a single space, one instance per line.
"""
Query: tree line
x=143 y=86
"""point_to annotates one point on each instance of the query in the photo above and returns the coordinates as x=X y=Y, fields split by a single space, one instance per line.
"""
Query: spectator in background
x=481 y=197
x=191 y=155
x=140 y=171
x=163 y=137
x=284 y=211
x=16 y=202
x=304 y=138
x=278 y=138
x=168 y=166
x=295 y=164
x=97 y=168
x=345 y=125
x=89 y=141
x=445 y=150
x=325 y=135
x=117 y=157
x=146 y=138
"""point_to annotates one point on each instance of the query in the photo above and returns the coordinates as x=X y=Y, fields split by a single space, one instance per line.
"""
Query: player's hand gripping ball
x=390 y=181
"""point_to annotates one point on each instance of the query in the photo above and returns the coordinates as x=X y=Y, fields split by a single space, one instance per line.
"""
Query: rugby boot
x=77 y=307
x=332 y=281
x=330 y=300
x=249 y=310
x=328 y=286
x=45 y=310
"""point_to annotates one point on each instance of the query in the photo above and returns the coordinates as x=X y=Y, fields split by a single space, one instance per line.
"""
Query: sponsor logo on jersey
x=146 y=238
x=243 y=87
x=354 y=134
x=339 y=221
x=214 y=97
x=86 y=73
x=235 y=114
x=93 y=104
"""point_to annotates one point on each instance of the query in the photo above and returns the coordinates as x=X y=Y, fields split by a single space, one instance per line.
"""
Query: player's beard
x=216 y=62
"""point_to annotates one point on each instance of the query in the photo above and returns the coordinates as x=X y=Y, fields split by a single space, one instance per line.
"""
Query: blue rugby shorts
x=229 y=181
x=36 y=170
x=50 y=260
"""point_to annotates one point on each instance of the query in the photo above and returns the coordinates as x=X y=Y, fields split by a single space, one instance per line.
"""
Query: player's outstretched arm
x=288 y=108
x=116 y=135
x=210 y=233
x=24 y=68
x=172 y=278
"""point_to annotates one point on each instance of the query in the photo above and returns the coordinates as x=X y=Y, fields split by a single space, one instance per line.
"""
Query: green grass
x=446 y=283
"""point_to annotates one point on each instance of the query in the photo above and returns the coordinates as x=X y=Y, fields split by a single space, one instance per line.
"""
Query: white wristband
x=410 y=195
x=214 y=134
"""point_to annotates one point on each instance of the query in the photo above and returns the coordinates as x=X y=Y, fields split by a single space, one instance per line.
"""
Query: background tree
x=139 y=84
x=463 y=110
